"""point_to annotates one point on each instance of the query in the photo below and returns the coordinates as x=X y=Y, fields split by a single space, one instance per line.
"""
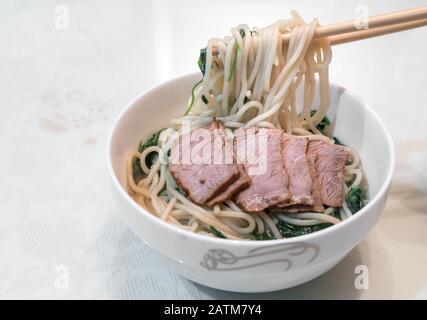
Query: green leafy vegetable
x=337 y=141
x=205 y=101
x=263 y=236
x=202 y=61
x=163 y=190
x=324 y=123
x=233 y=63
x=354 y=199
x=192 y=97
x=216 y=232
x=289 y=230
x=136 y=170
x=149 y=160
x=152 y=141
x=242 y=33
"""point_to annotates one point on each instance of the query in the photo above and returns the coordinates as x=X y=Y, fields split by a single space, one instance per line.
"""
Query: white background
x=60 y=90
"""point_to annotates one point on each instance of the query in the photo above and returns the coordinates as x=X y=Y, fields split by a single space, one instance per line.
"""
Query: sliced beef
x=326 y=168
x=259 y=150
x=327 y=163
x=315 y=186
x=200 y=166
x=262 y=168
x=294 y=155
x=241 y=183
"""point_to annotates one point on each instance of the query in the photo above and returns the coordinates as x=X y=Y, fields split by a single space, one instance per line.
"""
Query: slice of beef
x=315 y=186
x=294 y=155
x=241 y=183
x=327 y=163
x=200 y=166
x=259 y=150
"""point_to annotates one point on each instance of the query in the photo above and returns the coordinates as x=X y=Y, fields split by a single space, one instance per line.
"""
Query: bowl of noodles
x=328 y=163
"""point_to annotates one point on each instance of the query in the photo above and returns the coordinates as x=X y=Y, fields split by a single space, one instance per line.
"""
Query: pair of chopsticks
x=348 y=31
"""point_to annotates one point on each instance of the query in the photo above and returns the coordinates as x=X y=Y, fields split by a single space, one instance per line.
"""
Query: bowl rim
x=250 y=244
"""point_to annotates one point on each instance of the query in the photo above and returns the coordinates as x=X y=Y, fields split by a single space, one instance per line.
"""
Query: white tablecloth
x=61 y=89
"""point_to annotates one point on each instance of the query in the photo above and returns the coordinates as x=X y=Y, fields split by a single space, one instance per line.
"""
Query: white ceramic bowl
x=251 y=266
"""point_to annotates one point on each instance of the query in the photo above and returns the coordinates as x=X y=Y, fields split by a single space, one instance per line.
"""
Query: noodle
x=250 y=79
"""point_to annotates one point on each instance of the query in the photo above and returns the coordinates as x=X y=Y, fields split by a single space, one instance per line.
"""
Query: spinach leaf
x=323 y=124
x=202 y=61
x=263 y=236
x=216 y=232
x=180 y=191
x=354 y=199
x=190 y=106
x=152 y=141
x=205 y=101
x=163 y=191
x=136 y=170
x=338 y=142
x=233 y=63
x=290 y=230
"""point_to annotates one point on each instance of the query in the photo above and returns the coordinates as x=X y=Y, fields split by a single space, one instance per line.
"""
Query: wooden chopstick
x=370 y=33
x=347 y=31
x=379 y=21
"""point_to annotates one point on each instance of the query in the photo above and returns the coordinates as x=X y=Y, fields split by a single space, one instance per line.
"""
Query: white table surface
x=60 y=90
